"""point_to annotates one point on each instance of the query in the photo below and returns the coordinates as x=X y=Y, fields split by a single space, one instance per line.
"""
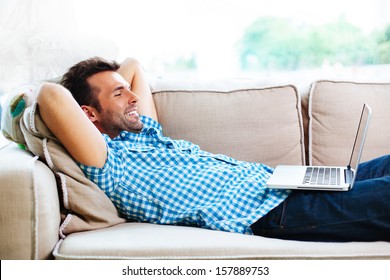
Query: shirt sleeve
x=108 y=176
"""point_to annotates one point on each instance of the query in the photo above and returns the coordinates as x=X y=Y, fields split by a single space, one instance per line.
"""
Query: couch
x=310 y=122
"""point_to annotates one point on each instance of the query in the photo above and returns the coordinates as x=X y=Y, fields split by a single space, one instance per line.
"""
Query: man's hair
x=75 y=80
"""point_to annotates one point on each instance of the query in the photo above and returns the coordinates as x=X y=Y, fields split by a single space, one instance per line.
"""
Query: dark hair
x=75 y=80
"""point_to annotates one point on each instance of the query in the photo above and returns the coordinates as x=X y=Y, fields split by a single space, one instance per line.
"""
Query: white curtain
x=40 y=39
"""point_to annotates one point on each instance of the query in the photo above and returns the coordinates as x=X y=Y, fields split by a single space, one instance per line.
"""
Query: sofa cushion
x=334 y=111
x=142 y=241
x=259 y=125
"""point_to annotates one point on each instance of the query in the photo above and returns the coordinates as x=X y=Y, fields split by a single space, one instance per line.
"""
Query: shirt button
x=123 y=135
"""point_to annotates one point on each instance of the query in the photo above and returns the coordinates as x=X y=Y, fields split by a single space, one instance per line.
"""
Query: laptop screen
x=360 y=137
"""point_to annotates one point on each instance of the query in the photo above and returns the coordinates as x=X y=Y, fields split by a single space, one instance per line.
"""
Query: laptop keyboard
x=322 y=176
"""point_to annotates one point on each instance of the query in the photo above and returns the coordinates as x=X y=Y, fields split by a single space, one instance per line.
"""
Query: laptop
x=325 y=178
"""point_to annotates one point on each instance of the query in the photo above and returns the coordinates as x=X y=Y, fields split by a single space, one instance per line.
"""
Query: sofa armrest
x=29 y=206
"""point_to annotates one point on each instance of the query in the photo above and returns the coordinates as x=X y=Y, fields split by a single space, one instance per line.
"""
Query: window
x=220 y=38
x=227 y=38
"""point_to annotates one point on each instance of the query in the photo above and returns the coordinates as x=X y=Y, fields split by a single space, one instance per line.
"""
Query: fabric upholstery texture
x=31 y=222
x=334 y=112
x=178 y=242
x=241 y=123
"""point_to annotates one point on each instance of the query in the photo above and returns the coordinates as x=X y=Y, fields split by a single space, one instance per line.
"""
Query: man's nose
x=133 y=98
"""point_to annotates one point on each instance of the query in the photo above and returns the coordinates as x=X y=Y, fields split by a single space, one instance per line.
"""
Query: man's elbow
x=51 y=93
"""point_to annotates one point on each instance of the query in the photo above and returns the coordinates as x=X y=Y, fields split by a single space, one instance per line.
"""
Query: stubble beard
x=113 y=126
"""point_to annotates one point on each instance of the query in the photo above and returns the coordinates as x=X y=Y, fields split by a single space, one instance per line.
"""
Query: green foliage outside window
x=273 y=43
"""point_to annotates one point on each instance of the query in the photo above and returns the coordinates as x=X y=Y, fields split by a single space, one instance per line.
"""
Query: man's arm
x=132 y=71
x=64 y=117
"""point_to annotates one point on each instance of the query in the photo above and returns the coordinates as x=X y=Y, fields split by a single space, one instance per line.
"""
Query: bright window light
x=208 y=38
x=238 y=37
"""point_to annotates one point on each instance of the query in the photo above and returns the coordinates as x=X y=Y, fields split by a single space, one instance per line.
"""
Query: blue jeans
x=361 y=214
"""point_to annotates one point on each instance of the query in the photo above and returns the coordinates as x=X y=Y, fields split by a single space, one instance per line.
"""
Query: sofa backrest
x=252 y=124
x=312 y=122
x=334 y=109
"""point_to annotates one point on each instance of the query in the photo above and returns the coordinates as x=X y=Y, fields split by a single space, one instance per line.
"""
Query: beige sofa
x=43 y=218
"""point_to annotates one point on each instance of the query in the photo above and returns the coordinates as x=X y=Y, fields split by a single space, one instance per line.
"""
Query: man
x=113 y=133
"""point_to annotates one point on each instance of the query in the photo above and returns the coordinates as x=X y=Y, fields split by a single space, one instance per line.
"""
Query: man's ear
x=89 y=112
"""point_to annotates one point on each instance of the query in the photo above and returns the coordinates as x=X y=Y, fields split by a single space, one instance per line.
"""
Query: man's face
x=118 y=102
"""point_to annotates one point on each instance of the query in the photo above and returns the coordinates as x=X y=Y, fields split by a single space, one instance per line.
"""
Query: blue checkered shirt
x=152 y=178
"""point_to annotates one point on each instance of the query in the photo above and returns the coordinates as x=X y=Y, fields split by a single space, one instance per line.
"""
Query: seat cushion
x=149 y=241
